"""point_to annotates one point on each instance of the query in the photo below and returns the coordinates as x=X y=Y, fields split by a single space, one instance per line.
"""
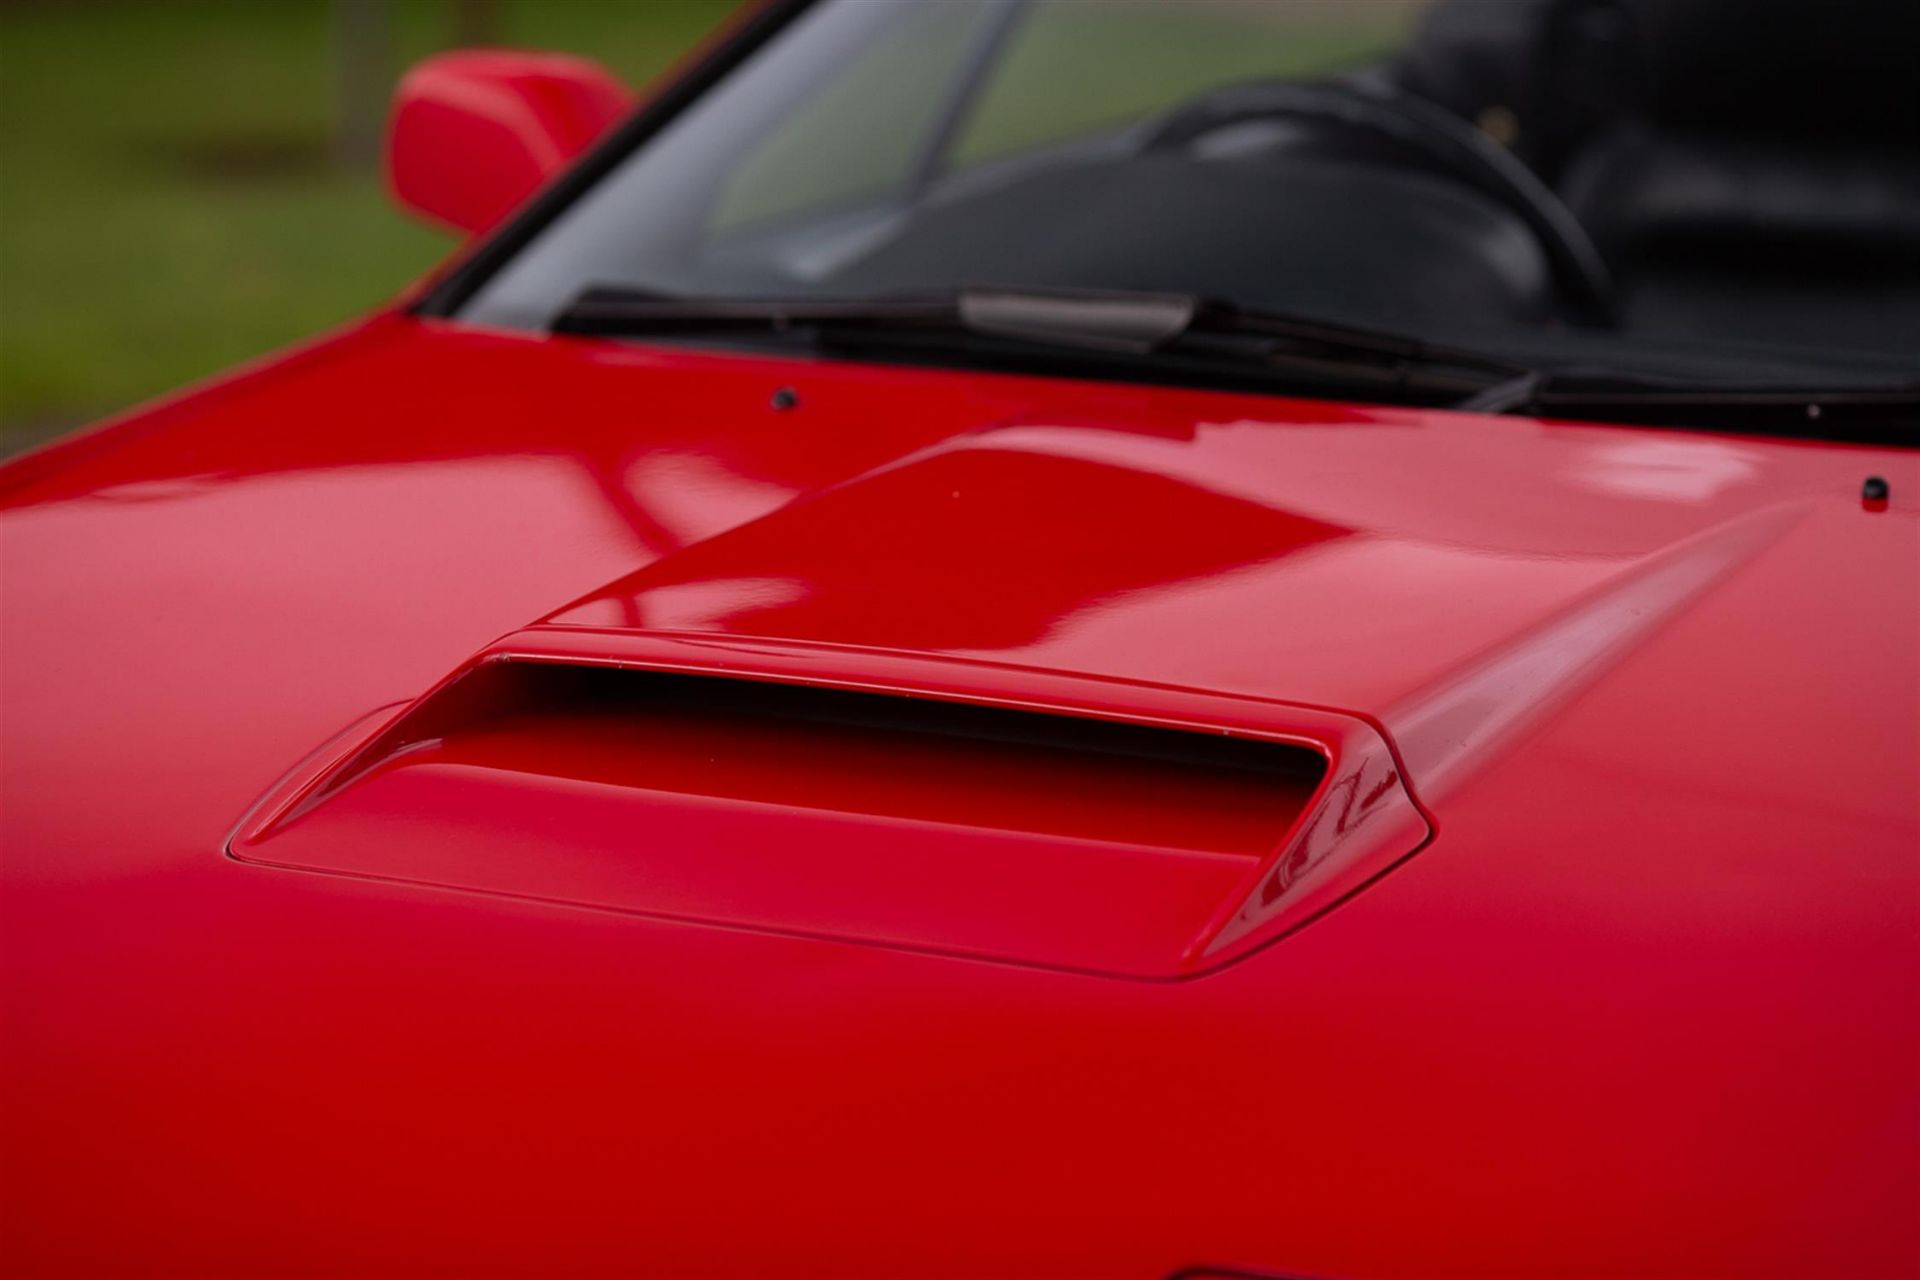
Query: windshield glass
x=1663 y=185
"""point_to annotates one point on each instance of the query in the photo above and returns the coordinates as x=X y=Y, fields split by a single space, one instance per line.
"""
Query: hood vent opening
x=883 y=757
x=1077 y=837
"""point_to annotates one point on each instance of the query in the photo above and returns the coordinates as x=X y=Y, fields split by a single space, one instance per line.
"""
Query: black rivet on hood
x=784 y=399
x=1874 y=490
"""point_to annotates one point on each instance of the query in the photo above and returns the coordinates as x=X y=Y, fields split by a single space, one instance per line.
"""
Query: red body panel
x=475 y=132
x=1647 y=1001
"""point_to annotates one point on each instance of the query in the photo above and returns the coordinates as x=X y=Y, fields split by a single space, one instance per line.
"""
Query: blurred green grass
x=169 y=203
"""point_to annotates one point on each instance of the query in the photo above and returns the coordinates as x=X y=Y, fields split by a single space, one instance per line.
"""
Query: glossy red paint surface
x=477 y=131
x=1648 y=1001
x=822 y=791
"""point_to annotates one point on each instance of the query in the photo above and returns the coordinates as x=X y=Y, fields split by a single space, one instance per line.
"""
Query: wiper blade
x=1115 y=323
x=1879 y=413
x=627 y=312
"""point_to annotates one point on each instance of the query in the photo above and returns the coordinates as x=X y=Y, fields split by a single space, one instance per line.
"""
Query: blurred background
x=187 y=183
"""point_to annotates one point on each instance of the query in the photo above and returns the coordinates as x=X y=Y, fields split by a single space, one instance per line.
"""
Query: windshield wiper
x=1170 y=329
x=1199 y=339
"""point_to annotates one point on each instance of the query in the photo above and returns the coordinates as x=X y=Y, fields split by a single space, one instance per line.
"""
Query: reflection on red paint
x=1649 y=998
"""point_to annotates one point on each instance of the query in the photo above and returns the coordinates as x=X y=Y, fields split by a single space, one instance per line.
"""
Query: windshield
x=1627 y=185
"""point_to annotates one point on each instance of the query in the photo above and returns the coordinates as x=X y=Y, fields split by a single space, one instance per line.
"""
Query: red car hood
x=1648 y=997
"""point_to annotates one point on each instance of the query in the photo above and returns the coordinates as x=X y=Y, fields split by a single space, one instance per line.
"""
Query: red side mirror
x=474 y=133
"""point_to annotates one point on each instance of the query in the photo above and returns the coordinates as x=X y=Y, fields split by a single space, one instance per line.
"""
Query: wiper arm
x=1092 y=321
x=1101 y=322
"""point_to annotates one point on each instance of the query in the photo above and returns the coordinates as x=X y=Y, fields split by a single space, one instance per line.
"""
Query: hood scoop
x=929 y=804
